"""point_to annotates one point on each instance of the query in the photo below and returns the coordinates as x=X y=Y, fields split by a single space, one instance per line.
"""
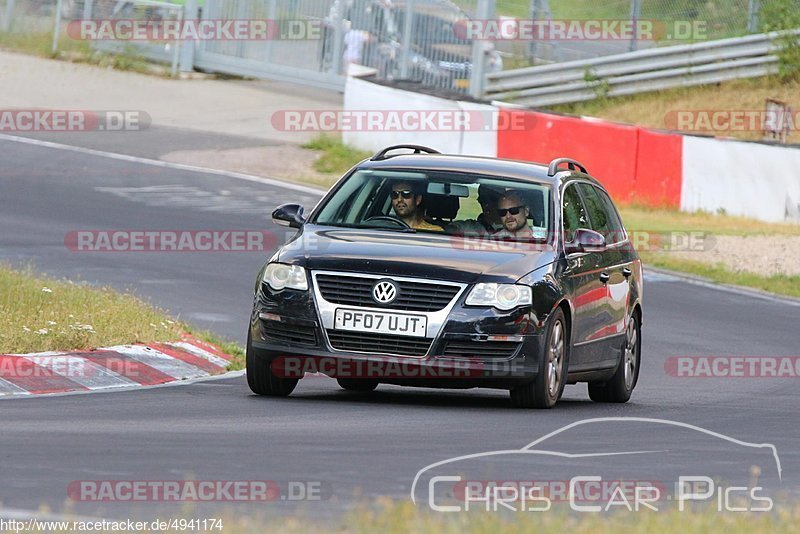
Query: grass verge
x=40 y=44
x=392 y=517
x=651 y=109
x=39 y=314
x=640 y=218
x=779 y=284
x=643 y=219
x=336 y=158
x=397 y=517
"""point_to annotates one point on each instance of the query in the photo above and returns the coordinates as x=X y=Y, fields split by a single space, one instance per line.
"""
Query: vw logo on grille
x=384 y=292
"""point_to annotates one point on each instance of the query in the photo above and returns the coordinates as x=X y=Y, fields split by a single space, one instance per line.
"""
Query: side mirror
x=289 y=215
x=586 y=241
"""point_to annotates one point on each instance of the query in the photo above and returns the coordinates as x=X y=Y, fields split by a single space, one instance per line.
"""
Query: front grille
x=412 y=296
x=380 y=343
x=480 y=349
x=289 y=333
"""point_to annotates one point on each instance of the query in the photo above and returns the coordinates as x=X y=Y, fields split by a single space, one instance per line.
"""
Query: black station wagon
x=432 y=270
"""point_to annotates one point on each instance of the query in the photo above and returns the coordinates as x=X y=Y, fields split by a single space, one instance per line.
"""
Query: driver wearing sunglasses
x=513 y=213
x=406 y=202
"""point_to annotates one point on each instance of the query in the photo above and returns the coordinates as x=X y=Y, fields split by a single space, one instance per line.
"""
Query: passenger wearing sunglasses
x=406 y=201
x=487 y=222
x=513 y=213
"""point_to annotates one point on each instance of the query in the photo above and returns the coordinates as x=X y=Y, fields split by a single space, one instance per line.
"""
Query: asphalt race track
x=356 y=445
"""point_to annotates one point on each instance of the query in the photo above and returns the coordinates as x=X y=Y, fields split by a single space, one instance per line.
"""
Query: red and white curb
x=119 y=367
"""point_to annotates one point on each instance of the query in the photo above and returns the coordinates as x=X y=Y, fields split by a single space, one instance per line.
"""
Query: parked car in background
x=440 y=55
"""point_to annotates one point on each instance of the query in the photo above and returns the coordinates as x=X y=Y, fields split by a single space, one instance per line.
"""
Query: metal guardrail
x=638 y=72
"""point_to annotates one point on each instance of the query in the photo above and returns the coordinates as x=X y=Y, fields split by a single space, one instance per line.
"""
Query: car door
x=583 y=285
x=615 y=272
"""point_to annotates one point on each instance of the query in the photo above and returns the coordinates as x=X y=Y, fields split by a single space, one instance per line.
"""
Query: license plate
x=462 y=84
x=399 y=324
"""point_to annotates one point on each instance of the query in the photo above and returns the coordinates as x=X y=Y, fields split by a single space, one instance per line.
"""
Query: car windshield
x=440 y=202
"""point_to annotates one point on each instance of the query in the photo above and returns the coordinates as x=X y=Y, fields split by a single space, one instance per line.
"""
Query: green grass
x=642 y=219
x=228 y=347
x=40 y=44
x=638 y=219
x=658 y=109
x=401 y=517
x=336 y=158
x=39 y=314
x=725 y=18
x=779 y=284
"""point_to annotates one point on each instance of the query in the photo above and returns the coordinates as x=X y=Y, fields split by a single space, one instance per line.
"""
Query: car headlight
x=501 y=296
x=279 y=276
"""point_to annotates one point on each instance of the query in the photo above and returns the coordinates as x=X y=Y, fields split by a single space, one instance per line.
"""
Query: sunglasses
x=405 y=194
x=513 y=211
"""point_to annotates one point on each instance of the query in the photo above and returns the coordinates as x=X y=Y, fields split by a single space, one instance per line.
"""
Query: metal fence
x=414 y=40
x=638 y=72
x=676 y=22
x=317 y=41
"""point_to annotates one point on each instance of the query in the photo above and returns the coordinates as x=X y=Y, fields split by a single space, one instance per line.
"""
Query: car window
x=574 y=213
x=370 y=198
x=614 y=220
x=602 y=215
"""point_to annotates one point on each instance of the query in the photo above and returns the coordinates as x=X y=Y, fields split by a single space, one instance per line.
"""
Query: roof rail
x=553 y=169
x=418 y=149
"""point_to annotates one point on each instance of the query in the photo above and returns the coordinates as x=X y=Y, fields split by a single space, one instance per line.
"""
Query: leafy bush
x=778 y=15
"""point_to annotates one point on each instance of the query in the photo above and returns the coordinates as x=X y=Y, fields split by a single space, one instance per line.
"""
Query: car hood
x=423 y=255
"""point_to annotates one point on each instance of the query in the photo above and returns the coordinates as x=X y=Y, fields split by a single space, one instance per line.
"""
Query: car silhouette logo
x=384 y=292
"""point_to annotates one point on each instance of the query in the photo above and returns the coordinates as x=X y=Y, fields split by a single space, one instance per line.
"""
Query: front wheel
x=620 y=387
x=545 y=391
x=261 y=379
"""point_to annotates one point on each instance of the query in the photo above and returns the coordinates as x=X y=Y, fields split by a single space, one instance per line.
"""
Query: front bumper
x=474 y=347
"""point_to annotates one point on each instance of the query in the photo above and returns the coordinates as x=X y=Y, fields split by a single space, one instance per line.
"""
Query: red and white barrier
x=120 y=367
x=637 y=165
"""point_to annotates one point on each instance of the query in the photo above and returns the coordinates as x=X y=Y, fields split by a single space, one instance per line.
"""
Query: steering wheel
x=389 y=218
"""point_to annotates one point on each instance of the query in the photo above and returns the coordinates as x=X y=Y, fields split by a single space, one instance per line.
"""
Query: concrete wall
x=362 y=95
x=748 y=179
x=635 y=164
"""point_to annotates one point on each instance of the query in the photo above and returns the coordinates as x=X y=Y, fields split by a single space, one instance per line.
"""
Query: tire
x=357 y=384
x=260 y=377
x=548 y=386
x=620 y=387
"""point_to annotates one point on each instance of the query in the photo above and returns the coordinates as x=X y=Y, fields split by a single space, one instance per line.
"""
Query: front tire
x=545 y=391
x=621 y=385
x=261 y=379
